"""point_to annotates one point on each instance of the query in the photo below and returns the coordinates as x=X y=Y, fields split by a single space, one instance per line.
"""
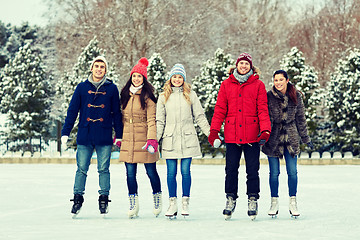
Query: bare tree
x=258 y=27
x=325 y=36
x=130 y=29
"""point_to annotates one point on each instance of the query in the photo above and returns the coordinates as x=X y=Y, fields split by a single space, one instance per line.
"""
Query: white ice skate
x=134 y=206
x=185 y=206
x=293 y=207
x=274 y=208
x=172 y=210
x=157 y=203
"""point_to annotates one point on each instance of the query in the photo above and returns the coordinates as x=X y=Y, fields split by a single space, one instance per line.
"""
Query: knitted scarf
x=98 y=84
x=284 y=135
x=242 y=78
x=134 y=89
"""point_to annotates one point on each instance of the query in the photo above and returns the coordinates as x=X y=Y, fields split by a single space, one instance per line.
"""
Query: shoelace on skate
x=157 y=201
x=229 y=204
x=132 y=202
x=252 y=205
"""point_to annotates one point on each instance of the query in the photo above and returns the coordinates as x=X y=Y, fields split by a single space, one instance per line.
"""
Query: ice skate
x=230 y=207
x=185 y=206
x=252 y=208
x=274 y=208
x=293 y=207
x=134 y=206
x=172 y=210
x=78 y=201
x=157 y=203
x=103 y=204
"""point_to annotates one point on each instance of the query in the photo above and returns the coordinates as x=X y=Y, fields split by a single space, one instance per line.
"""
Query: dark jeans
x=252 y=163
x=131 y=169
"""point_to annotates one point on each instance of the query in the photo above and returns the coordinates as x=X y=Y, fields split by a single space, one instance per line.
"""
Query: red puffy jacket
x=244 y=109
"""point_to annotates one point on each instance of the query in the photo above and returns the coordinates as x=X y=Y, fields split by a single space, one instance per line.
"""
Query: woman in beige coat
x=139 y=144
x=177 y=109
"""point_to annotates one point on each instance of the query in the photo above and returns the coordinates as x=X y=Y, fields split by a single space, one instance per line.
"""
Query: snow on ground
x=34 y=204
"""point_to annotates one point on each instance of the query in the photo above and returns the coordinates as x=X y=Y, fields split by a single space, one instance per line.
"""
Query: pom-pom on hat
x=141 y=67
x=246 y=57
x=178 y=69
x=101 y=59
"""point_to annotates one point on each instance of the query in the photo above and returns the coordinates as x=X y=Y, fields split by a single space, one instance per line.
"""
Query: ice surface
x=34 y=204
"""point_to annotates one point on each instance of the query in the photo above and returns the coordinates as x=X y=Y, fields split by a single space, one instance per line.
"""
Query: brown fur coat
x=288 y=124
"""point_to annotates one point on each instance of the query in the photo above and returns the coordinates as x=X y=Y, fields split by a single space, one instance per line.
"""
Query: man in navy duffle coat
x=97 y=100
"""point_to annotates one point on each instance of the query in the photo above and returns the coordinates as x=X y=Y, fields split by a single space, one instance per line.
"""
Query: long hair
x=146 y=92
x=256 y=70
x=290 y=89
x=168 y=90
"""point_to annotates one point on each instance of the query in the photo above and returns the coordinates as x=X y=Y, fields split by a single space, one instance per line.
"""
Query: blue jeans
x=131 y=169
x=291 y=168
x=83 y=158
x=185 y=173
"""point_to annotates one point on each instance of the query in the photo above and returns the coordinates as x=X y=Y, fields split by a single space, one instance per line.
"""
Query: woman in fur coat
x=288 y=125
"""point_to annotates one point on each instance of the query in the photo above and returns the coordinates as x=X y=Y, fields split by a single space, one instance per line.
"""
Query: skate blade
x=252 y=217
x=171 y=217
x=273 y=215
x=74 y=215
x=133 y=216
x=293 y=215
x=227 y=217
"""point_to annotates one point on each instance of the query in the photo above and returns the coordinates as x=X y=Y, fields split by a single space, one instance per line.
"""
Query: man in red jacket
x=242 y=104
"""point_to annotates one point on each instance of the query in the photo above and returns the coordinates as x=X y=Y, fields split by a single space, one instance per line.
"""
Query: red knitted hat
x=141 y=67
x=246 y=57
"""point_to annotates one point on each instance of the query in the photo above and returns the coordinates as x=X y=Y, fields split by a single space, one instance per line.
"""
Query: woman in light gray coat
x=177 y=109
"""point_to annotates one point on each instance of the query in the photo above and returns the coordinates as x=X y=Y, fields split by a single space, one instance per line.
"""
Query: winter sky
x=18 y=11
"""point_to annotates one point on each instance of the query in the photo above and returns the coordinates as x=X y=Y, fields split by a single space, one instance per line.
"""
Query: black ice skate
x=103 y=204
x=78 y=201
x=230 y=207
x=252 y=208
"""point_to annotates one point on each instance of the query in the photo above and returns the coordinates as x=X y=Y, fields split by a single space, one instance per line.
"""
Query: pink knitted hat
x=141 y=67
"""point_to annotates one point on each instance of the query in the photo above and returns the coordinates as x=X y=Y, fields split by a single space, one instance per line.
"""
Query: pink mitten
x=151 y=145
x=117 y=141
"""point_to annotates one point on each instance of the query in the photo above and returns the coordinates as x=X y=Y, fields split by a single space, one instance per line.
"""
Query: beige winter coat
x=139 y=126
x=175 y=125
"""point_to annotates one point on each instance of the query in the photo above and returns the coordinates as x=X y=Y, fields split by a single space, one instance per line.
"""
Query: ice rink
x=35 y=204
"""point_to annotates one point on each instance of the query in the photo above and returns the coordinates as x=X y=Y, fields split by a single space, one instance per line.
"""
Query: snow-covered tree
x=156 y=72
x=25 y=97
x=14 y=37
x=343 y=103
x=305 y=79
x=81 y=70
x=213 y=72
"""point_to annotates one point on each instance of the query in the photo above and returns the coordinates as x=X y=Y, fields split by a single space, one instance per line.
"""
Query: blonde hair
x=168 y=90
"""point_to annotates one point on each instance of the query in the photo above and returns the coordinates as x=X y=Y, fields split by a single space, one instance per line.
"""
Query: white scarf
x=133 y=89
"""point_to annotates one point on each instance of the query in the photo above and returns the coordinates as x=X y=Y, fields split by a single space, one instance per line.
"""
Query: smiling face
x=177 y=80
x=280 y=83
x=137 y=79
x=98 y=71
x=243 y=67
